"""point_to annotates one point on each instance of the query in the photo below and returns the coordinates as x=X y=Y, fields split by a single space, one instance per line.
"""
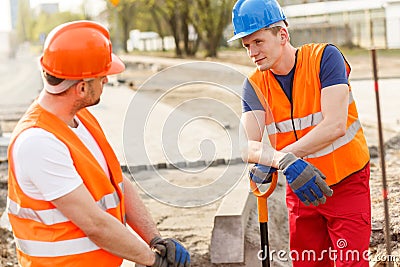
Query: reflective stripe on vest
x=55 y=249
x=53 y=216
x=299 y=123
x=350 y=134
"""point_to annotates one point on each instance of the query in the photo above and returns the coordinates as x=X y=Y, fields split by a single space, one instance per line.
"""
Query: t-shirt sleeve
x=333 y=68
x=250 y=100
x=43 y=165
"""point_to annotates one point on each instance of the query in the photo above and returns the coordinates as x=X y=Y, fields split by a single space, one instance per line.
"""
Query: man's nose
x=252 y=51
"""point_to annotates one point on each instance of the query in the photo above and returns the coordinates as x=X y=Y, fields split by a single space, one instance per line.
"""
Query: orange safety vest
x=43 y=235
x=287 y=122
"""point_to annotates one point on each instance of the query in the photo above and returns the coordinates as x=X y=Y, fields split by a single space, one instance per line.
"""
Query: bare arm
x=251 y=133
x=334 y=105
x=102 y=228
x=137 y=215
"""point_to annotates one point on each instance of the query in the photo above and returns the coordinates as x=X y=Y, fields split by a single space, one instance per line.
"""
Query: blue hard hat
x=249 y=16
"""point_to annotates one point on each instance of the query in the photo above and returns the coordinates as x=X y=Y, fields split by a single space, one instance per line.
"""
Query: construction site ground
x=193 y=226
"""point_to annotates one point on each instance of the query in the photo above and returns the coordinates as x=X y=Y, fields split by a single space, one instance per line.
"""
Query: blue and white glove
x=306 y=181
x=261 y=174
x=176 y=254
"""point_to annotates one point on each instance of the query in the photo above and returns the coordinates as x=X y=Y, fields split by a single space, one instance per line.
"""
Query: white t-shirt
x=43 y=165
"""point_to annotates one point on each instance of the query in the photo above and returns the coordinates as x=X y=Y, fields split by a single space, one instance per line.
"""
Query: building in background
x=149 y=41
x=14 y=13
x=354 y=23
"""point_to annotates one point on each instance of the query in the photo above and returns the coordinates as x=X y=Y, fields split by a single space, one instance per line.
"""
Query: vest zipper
x=291 y=99
x=291 y=117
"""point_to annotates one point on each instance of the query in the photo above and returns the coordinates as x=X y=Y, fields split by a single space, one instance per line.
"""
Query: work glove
x=175 y=253
x=161 y=261
x=261 y=174
x=305 y=180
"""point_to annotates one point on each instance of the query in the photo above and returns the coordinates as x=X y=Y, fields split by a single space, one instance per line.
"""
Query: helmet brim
x=241 y=35
x=117 y=66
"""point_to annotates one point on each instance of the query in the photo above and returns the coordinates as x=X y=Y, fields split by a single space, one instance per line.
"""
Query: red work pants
x=336 y=233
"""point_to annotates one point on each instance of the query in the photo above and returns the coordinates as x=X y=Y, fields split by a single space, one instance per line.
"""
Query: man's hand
x=306 y=181
x=161 y=261
x=261 y=174
x=172 y=250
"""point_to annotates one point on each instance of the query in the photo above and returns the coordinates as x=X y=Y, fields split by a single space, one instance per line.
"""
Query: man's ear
x=284 y=35
x=80 y=88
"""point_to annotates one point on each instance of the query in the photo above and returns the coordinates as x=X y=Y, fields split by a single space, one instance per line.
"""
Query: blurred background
x=197 y=27
x=153 y=35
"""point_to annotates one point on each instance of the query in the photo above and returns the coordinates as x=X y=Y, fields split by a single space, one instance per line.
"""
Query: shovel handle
x=262 y=197
x=256 y=191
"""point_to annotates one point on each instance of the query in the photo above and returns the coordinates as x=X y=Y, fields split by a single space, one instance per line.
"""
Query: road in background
x=20 y=82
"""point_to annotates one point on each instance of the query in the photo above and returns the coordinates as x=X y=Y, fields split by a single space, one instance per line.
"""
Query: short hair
x=52 y=80
x=275 y=30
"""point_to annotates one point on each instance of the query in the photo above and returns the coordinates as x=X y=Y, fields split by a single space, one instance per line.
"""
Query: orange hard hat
x=78 y=50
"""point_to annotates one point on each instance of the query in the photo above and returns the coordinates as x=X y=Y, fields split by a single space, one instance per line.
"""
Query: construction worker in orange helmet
x=302 y=97
x=68 y=200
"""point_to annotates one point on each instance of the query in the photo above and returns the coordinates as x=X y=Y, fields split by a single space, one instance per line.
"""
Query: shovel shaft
x=264 y=244
x=262 y=206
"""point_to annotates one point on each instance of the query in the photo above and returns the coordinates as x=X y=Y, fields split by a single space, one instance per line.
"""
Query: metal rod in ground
x=264 y=244
x=382 y=157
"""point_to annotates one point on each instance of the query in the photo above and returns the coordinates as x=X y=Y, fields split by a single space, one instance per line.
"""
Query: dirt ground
x=196 y=239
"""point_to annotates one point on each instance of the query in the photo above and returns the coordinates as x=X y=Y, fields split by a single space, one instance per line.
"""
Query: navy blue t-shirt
x=333 y=71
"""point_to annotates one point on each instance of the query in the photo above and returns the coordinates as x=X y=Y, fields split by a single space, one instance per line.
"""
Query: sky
x=73 y=5
x=5 y=19
x=92 y=6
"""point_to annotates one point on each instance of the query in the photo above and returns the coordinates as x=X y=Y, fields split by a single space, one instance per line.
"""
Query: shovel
x=262 y=206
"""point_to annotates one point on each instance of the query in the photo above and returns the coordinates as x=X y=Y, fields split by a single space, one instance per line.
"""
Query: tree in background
x=24 y=22
x=210 y=18
x=122 y=21
x=45 y=22
x=33 y=28
x=190 y=22
x=169 y=11
x=157 y=19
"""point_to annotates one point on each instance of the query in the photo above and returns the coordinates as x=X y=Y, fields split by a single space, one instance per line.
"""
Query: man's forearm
x=258 y=152
x=137 y=215
x=318 y=138
x=334 y=106
x=106 y=231
x=115 y=238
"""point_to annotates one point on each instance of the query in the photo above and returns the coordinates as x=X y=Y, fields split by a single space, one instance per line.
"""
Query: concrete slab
x=228 y=235
x=4 y=222
x=4 y=141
